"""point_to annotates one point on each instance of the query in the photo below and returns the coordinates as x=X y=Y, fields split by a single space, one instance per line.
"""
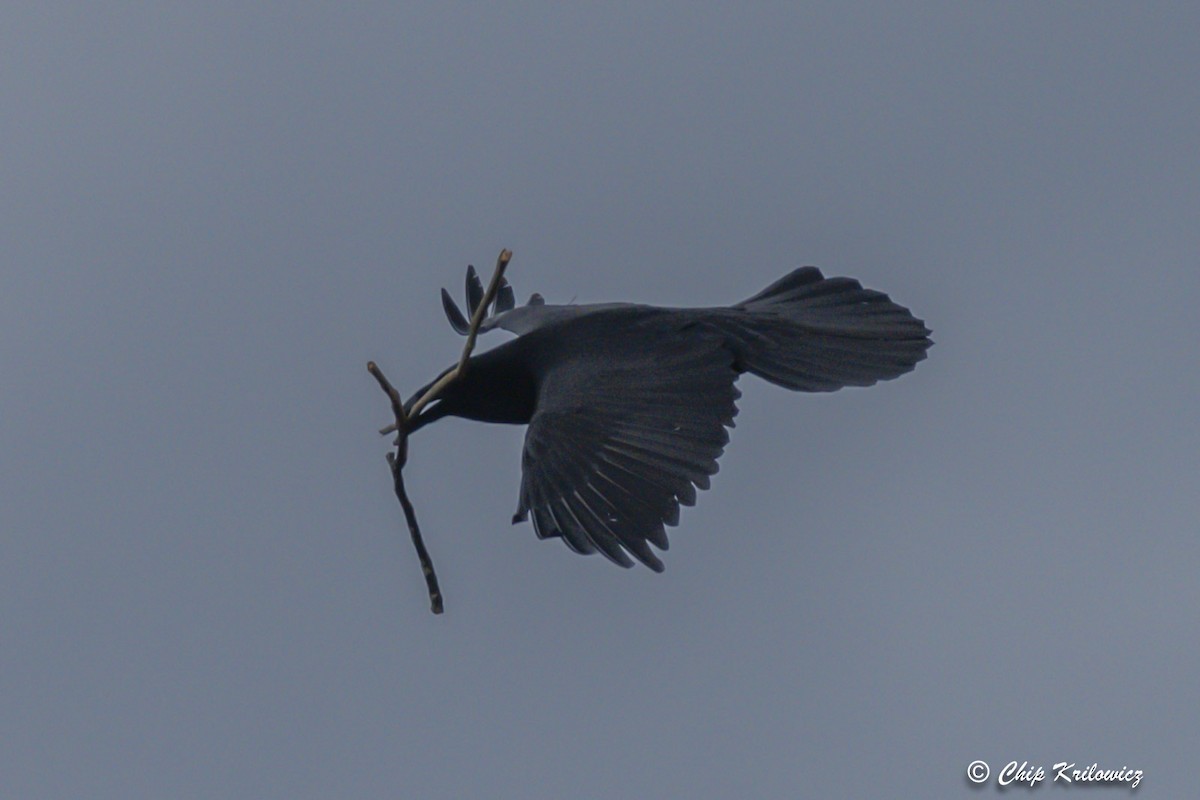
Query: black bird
x=627 y=405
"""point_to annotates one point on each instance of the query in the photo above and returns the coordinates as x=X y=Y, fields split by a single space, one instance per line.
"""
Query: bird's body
x=628 y=405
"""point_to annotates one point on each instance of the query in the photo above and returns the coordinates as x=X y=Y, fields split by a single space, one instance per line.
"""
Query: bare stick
x=476 y=320
x=398 y=459
x=396 y=462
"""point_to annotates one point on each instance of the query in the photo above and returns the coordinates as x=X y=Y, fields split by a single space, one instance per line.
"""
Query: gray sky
x=213 y=217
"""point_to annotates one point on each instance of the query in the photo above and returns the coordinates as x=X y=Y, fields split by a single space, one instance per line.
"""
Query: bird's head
x=486 y=387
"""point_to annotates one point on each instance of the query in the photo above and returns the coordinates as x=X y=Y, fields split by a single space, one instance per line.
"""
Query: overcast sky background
x=212 y=217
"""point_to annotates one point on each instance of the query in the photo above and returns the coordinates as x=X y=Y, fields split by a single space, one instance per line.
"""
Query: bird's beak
x=410 y=402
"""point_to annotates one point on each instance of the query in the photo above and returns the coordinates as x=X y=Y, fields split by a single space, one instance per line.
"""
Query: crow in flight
x=627 y=405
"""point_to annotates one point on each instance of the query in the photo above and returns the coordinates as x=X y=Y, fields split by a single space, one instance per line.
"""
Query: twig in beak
x=398 y=459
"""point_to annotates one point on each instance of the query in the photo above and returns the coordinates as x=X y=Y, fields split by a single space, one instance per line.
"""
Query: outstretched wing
x=621 y=438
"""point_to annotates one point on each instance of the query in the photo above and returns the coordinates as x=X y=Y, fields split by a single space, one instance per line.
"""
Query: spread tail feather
x=816 y=334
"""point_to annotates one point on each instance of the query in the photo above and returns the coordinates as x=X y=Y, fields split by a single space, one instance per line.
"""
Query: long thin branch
x=396 y=462
x=398 y=459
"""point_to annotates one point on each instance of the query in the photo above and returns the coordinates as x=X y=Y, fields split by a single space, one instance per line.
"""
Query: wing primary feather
x=675 y=443
x=627 y=529
x=643 y=474
x=694 y=471
x=506 y=300
x=474 y=290
x=619 y=493
x=596 y=530
x=457 y=320
x=551 y=496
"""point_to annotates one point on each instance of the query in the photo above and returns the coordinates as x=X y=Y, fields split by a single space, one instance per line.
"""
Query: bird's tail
x=816 y=334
